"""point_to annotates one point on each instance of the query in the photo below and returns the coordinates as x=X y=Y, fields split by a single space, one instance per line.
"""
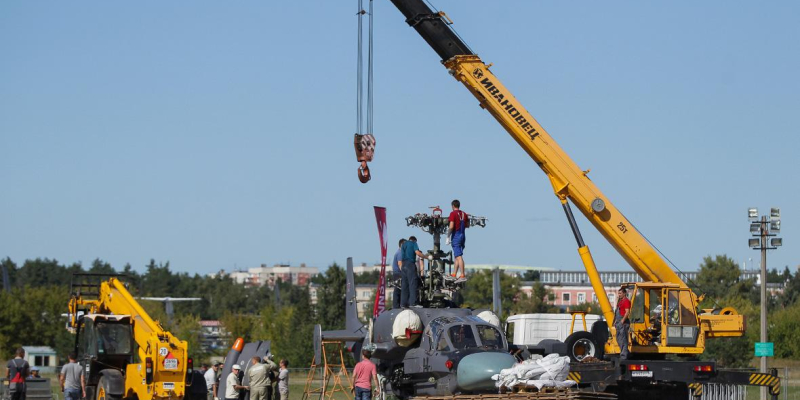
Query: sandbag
x=549 y=368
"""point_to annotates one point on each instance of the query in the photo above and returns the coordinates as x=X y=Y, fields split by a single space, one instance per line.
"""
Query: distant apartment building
x=571 y=288
x=364 y=268
x=364 y=297
x=260 y=276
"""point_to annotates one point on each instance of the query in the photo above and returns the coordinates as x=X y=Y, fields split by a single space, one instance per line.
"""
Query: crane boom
x=568 y=180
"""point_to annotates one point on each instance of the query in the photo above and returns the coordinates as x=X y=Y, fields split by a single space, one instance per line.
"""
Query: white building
x=213 y=335
x=43 y=357
x=264 y=275
x=364 y=268
x=571 y=288
x=364 y=298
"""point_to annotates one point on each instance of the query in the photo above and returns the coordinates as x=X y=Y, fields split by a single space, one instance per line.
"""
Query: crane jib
x=512 y=111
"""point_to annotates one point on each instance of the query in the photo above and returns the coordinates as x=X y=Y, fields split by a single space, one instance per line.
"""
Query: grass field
x=786 y=369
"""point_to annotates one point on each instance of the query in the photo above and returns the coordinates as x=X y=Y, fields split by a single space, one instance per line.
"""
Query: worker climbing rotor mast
x=364 y=141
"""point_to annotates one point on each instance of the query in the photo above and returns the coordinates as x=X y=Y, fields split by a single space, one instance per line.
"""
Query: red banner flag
x=380 y=296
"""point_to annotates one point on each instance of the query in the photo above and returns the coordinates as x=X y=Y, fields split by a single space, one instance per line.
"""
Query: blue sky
x=218 y=134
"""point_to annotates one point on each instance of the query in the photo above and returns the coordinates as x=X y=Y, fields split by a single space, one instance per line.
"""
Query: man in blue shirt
x=409 y=284
x=396 y=274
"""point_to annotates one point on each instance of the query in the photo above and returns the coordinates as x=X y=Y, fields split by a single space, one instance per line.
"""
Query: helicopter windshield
x=436 y=329
x=462 y=336
x=463 y=332
x=490 y=337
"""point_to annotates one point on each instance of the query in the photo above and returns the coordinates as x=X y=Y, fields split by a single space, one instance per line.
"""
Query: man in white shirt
x=232 y=386
x=211 y=381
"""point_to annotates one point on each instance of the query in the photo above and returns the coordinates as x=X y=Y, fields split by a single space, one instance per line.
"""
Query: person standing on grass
x=72 y=379
x=211 y=381
x=233 y=384
x=258 y=376
x=364 y=374
x=283 y=380
x=18 y=370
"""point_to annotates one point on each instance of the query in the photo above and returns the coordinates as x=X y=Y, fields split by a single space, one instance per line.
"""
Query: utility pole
x=762 y=230
x=763 y=297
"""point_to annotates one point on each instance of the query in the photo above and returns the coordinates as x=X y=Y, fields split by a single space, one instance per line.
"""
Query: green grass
x=298 y=379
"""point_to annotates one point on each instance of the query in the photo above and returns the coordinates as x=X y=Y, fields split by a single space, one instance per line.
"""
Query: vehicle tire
x=102 y=390
x=583 y=344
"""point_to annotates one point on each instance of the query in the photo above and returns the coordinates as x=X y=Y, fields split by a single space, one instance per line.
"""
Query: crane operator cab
x=103 y=343
x=663 y=318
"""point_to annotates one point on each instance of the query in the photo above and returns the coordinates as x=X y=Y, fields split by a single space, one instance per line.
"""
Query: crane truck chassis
x=684 y=335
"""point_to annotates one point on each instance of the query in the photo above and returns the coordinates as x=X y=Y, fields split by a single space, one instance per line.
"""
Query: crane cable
x=364 y=141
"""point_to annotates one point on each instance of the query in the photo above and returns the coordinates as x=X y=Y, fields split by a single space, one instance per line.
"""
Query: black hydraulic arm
x=433 y=28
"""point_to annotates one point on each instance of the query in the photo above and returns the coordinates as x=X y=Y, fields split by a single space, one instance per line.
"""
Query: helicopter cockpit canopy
x=451 y=333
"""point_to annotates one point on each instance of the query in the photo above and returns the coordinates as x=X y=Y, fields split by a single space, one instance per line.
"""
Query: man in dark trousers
x=622 y=322
x=409 y=284
x=18 y=370
x=197 y=390
x=397 y=268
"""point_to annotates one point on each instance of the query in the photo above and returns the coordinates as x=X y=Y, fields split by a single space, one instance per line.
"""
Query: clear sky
x=218 y=134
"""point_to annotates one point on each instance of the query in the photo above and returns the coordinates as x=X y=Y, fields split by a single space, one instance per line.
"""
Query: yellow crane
x=684 y=327
x=124 y=352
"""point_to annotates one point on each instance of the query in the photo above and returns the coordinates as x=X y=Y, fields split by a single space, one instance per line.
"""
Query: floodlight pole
x=764 y=235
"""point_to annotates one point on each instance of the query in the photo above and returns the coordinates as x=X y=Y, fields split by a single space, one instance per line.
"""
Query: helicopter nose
x=475 y=370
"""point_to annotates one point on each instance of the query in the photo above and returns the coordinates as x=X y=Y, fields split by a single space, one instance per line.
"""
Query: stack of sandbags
x=550 y=371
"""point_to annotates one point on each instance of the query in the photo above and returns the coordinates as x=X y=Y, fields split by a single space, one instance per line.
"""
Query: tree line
x=31 y=314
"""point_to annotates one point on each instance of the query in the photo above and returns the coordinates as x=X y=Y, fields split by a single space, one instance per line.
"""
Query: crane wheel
x=583 y=344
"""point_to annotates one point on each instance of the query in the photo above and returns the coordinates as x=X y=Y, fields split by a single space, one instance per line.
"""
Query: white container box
x=530 y=329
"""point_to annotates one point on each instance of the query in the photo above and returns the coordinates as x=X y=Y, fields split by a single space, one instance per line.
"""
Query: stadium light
x=763 y=229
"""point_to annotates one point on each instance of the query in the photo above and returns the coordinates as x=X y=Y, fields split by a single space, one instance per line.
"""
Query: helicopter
x=436 y=349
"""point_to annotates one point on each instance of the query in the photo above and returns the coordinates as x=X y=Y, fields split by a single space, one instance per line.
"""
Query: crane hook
x=363 y=172
x=365 y=150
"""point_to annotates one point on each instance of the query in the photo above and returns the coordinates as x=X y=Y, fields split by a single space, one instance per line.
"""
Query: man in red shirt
x=622 y=322
x=459 y=221
x=363 y=376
